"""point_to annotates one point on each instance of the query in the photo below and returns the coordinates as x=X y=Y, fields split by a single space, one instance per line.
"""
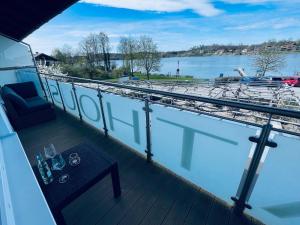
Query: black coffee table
x=94 y=166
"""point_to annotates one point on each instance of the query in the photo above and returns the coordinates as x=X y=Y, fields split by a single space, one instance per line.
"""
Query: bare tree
x=128 y=47
x=105 y=50
x=122 y=48
x=90 y=48
x=268 y=60
x=148 y=55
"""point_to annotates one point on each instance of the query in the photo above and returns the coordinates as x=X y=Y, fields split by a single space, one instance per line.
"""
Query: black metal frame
x=36 y=69
x=49 y=91
x=61 y=97
x=148 y=110
x=76 y=100
x=102 y=112
x=16 y=68
x=262 y=141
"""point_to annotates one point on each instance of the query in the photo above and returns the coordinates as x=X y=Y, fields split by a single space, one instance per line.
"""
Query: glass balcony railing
x=247 y=165
x=275 y=195
x=14 y=54
x=17 y=63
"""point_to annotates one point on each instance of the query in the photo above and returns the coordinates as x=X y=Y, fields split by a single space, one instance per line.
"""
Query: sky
x=173 y=24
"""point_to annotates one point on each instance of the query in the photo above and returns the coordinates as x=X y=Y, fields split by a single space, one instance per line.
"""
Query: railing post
x=37 y=71
x=76 y=100
x=262 y=141
x=49 y=91
x=102 y=112
x=61 y=98
x=148 y=130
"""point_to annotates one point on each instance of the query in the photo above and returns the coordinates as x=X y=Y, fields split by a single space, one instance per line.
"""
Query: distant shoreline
x=224 y=54
x=115 y=56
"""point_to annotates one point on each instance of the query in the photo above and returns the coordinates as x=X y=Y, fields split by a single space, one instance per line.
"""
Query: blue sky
x=173 y=24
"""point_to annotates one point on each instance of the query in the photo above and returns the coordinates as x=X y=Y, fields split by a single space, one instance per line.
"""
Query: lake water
x=212 y=66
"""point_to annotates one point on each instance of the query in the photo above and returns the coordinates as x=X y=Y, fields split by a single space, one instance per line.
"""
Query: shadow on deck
x=150 y=194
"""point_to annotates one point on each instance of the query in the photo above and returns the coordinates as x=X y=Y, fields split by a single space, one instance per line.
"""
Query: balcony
x=177 y=165
x=151 y=194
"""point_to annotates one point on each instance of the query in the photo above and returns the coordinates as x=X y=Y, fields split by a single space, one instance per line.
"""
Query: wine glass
x=74 y=159
x=58 y=163
x=50 y=151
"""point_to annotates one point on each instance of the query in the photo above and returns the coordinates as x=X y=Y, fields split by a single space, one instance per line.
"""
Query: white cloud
x=202 y=7
x=250 y=1
x=275 y=24
x=247 y=1
x=50 y=36
x=175 y=33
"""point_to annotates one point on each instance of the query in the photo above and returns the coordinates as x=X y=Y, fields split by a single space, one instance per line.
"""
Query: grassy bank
x=162 y=77
x=158 y=77
x=114 y=75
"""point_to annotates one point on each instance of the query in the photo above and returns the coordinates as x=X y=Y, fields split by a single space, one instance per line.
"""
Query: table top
x=94 y=165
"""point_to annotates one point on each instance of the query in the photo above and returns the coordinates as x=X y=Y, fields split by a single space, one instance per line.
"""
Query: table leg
x=115 y=180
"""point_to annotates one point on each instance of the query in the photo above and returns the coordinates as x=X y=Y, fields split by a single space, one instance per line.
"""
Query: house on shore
x=44 y=59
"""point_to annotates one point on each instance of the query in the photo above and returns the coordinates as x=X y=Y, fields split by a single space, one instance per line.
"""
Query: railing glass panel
x=89 y=104
x=14 y=54
x=211 y=153
x=275 y=198
x=8 y=77
x=55 y=93
x=68 y=96
x=126 y=120
x=125 y=117
x=43 y=79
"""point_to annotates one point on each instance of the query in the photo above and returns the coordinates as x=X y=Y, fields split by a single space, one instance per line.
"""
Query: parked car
x=292 y=81
x=250 y=81
x=262 y=81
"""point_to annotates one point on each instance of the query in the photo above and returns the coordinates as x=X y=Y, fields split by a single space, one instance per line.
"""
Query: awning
x=19 y=18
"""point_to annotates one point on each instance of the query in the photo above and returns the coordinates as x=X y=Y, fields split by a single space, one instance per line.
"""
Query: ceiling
x=19 y=18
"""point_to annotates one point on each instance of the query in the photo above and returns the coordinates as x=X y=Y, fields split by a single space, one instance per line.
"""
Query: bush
x=84 y=72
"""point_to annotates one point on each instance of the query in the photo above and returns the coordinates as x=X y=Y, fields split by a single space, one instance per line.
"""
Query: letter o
x=83 y=110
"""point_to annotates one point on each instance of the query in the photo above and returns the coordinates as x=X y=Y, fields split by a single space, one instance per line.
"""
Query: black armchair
x=24 y=107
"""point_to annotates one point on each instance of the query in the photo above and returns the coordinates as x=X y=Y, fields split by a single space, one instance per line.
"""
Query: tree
x=64 y=55
x=59 y=55
x=105 y=49
x=90 y=48
x=148 y=55
x=128 y=47
x=96 y=49
x=268 y=60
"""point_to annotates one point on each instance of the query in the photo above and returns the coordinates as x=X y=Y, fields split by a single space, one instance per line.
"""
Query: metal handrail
x=228 y=103
x=17 y=67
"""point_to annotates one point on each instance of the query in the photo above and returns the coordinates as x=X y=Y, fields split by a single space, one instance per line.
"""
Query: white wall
x=21 y=199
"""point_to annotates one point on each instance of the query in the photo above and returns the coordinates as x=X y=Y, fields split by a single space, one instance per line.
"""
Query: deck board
x=150 y=194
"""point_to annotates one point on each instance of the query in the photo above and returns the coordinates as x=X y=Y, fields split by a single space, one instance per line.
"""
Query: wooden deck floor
x=150 y=195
